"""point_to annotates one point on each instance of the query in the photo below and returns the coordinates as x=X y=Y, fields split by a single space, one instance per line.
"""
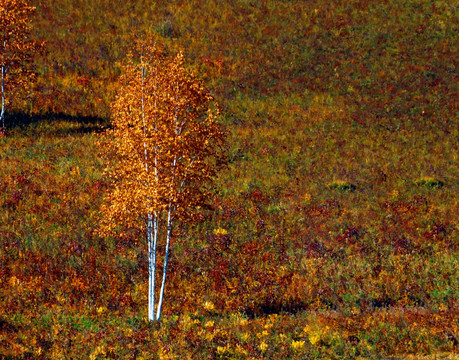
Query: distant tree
x=163 y=151
x=16 y=50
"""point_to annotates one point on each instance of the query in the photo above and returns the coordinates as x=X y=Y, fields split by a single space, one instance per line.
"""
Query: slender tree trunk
x=152 y=245
x=152 y=224
x=4 y=70
x=2 y=114
x=169 y=230
x=151 y=301
x=166 y=258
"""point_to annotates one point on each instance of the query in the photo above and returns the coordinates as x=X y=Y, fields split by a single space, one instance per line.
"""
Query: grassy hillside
x=333 y=231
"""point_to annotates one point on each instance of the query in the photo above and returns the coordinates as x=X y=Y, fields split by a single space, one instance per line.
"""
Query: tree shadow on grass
x=84 y=124
x=269 y=308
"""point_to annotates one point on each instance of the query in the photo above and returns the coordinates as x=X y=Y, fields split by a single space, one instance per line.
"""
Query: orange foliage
x=163 y=151
x=164 y=145
x=16 y=50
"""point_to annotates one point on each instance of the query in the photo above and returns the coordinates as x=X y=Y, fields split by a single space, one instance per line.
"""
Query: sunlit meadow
x=332 y=232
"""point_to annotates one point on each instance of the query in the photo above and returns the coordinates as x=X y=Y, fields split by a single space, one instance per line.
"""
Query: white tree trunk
x=4 y=69
x=166 y=258
x=151 y=236
x=152 y=224
x=2 y=114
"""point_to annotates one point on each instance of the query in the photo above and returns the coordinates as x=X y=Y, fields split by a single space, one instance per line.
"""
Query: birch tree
x=164 y=144
x=16 y=50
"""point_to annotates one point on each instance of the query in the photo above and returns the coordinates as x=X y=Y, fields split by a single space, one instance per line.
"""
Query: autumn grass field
x=332 y=233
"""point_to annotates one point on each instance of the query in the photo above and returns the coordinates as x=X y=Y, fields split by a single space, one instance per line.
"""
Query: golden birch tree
x=163 y=150
x=16 y=50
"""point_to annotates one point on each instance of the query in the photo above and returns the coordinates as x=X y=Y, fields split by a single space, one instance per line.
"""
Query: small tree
x=16 y=50
x=164 y=145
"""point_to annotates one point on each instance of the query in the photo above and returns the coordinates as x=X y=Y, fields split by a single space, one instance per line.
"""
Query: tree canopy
x=164 y=148
x=17 y=48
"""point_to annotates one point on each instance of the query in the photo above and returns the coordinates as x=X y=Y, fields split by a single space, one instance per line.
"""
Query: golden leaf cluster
x=17 y=47
x=164 y=146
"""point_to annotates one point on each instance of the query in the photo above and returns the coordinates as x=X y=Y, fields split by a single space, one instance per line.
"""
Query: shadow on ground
x=86 y=124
